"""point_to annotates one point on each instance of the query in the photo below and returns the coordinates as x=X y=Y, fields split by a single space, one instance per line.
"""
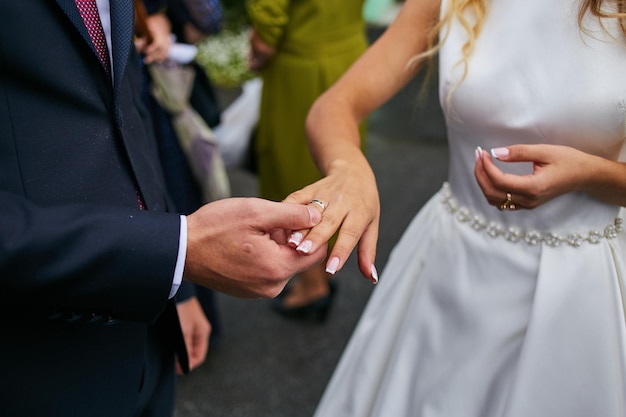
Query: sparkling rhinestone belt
x=514 y=234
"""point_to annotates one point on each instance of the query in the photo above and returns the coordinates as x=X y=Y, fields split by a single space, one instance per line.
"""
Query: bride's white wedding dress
x=484 y=313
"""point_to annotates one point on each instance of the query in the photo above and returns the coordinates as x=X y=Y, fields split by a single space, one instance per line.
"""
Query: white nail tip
x=332 y=266
x=374 y=275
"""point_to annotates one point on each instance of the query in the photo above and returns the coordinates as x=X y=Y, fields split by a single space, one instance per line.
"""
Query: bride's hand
x=348 y=198
x=557 y=170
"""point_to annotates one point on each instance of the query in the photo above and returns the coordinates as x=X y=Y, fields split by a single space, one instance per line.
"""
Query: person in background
x=299 y=48
x=505 y=295
x=156 y=21
x=91 y=250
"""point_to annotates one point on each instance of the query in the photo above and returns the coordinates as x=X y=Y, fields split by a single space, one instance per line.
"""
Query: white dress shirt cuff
x=180 y=261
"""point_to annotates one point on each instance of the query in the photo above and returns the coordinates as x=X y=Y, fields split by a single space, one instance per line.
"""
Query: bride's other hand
x=557 y=170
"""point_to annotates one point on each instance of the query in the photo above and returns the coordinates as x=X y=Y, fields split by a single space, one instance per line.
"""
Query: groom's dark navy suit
x=86 y=325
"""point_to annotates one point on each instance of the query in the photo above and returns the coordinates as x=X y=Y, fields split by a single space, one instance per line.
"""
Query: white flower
x=224 y=56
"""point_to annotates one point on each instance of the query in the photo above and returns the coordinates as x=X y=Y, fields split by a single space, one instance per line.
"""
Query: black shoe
x=316 y=311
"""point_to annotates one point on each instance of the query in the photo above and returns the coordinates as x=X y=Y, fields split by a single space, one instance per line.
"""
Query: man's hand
x=196 y=331
x=239 y=246
x=155 y=45
x=260 y=52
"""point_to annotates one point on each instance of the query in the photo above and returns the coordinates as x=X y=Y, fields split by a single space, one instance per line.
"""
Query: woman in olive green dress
x=300 y=48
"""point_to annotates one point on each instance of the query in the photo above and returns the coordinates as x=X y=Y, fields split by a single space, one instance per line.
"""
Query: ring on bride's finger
x=319 y=203
x=508 y=204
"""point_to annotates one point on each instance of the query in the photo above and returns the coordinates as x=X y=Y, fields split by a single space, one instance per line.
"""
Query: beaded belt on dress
x=514 y=234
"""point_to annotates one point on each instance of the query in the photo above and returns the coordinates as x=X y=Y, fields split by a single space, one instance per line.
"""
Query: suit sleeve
x=86 y=258
x=269 y=18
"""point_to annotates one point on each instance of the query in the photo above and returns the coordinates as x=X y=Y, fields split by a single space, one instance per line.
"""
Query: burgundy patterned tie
x=89 y=12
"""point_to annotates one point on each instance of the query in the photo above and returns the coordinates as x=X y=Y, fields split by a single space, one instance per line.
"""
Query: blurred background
x=261 y=364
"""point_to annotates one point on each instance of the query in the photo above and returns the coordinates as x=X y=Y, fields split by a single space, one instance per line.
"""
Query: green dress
x=316 y=41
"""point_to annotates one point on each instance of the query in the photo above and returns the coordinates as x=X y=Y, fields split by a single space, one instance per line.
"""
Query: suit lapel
x=69 y=7
x=122 y=21
x=139 y=150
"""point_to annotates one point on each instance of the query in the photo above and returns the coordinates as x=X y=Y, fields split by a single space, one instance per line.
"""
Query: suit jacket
x=84 y=274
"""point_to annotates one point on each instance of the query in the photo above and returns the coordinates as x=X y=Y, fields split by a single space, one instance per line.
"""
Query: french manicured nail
x=499 y=152
x=478 y=153
x=332 y=265
x=305 y=247
x=374 y=275
x=295 y=238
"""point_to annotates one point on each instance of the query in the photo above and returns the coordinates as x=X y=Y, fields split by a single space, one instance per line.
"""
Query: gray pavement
x=266 y=366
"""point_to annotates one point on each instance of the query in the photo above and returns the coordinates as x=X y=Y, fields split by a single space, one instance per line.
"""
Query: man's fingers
x=198 y=350
x=291 y=216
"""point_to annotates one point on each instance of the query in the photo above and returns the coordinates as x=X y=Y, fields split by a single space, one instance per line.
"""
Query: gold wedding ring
x=319 y=203
x=508 y=204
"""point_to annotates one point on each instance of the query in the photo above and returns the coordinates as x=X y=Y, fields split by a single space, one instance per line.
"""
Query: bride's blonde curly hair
x=471 y=15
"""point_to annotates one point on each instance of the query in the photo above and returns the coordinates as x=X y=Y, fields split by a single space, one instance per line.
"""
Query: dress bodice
x=537 y=85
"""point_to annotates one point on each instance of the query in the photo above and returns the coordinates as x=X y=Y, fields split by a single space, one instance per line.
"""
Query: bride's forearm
x=332 y=123
x=606 y=180
x=334 y=138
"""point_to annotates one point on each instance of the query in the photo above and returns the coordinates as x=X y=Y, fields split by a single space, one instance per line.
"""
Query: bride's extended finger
x=367 y=254
x=350 y=234
x=307 y=241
